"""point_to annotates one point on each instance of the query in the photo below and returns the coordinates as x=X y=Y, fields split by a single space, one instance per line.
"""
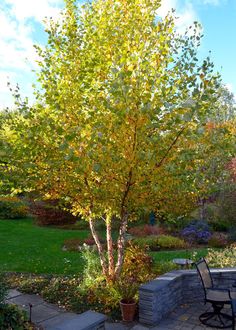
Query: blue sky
x=21 y=27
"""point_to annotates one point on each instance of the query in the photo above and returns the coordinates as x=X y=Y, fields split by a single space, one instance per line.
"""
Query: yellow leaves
x=113 y=107
x=131 y=67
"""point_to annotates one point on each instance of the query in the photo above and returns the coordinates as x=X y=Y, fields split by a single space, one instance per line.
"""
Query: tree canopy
x=120 y=122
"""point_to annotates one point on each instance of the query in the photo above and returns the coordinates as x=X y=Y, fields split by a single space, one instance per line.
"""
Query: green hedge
x=12 y=208
x=11 y=317
x=162 y=242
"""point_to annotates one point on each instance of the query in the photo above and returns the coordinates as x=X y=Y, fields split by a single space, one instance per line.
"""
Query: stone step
x=86 y=321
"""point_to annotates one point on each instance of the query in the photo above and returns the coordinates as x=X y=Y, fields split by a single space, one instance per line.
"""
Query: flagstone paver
x=53 y=322
x=25 y=299
x=51 y=317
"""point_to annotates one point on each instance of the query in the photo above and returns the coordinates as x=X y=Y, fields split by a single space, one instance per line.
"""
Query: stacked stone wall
x=161 y=296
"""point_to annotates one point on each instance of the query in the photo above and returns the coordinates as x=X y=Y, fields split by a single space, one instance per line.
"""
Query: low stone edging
x=162 y=295
x=50 y=317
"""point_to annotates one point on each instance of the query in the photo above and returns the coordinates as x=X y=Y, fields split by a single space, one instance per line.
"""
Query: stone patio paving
x=47 y=316
x=185 y=317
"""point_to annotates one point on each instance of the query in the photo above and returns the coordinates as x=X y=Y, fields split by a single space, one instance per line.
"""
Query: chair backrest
x=205 y=274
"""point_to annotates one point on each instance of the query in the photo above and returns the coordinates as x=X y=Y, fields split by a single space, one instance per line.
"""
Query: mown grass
x=162 y=256
x=26 y=247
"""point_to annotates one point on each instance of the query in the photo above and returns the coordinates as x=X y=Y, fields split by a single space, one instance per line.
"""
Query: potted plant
x=128 y=288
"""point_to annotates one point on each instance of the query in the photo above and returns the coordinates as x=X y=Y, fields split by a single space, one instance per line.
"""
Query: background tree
x=219 y=181
x=225 y=106
x=7 y=182
x=119 y=117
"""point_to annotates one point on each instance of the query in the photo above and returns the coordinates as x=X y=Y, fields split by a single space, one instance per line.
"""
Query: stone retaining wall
x=159 y=297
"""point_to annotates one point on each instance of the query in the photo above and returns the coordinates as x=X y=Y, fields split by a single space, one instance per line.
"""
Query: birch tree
x=120 y=110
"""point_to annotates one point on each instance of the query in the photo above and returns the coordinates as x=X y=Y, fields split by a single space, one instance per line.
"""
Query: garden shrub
x=50 y=213
x=137 y=264
x=222 y=258
x=12 y=318
x=105 y=297
x=3 y=288
x=197 y=231
x=100 y=297
x=220 y=225
x=145 y=230
x=162 y=242
x=13 y=208
x=146 y=243
x=218 y=240
x=226 y=205
x=92 y=268
x=170 y=242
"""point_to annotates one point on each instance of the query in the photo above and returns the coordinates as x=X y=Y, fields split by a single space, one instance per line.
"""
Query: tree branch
x=170 y=147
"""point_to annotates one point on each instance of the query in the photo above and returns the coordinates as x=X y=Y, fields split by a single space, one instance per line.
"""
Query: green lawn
x=25 y=247
x=169 y=255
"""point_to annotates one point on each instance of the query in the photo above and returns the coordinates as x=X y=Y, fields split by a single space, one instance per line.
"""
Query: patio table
x=182 y=262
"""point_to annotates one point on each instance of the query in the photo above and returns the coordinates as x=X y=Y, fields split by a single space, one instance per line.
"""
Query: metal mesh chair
x=217 y=297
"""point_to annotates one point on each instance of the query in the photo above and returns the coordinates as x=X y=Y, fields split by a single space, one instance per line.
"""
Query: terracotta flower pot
x=128 y=310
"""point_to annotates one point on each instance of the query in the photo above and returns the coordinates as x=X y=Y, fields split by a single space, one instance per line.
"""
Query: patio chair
x=217 y=297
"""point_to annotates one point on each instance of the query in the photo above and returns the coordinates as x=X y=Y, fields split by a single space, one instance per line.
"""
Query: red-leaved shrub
x=146 y=230
x=49 y=213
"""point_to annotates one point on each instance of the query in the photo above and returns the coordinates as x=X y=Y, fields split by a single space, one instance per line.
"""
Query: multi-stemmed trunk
x=111 y=267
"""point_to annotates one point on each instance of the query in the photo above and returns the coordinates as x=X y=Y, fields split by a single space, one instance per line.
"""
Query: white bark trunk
x=121 y=244
x=111 y=268
x=100 y=248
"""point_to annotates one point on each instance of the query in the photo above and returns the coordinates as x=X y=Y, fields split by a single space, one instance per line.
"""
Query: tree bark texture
x=111 y=267
x=99 y=246
x=121 y=244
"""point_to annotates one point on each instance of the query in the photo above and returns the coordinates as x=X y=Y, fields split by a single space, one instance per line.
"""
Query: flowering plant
x=197 y=231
